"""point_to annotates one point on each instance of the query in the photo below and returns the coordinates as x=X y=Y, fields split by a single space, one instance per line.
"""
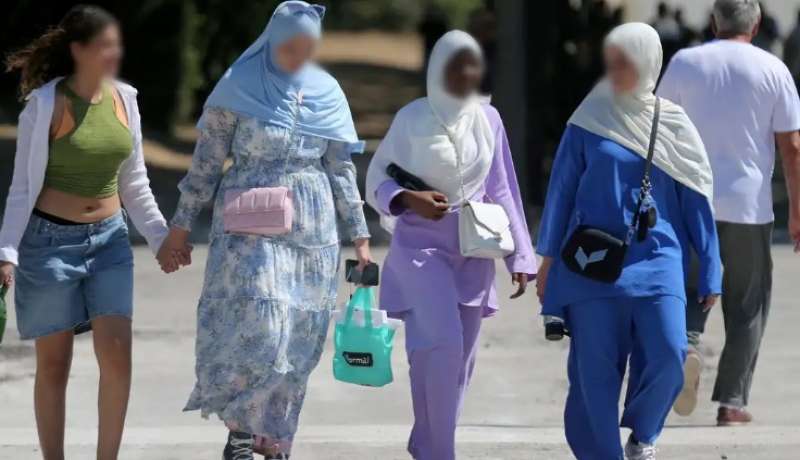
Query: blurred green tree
x=177 y=49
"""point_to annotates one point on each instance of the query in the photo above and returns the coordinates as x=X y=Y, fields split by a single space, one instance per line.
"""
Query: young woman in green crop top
x=74 y=260
x=85 y=156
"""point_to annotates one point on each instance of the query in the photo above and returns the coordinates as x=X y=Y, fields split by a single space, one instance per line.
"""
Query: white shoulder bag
x=484 y=230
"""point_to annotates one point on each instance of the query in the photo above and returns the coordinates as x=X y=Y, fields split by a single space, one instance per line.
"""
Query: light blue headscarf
x=254 y=85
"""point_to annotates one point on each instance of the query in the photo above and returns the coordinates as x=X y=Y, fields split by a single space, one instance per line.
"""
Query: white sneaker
x=640 y=451
x=687 y=399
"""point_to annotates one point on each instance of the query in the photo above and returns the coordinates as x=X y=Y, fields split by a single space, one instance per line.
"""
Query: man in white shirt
x=743 y=101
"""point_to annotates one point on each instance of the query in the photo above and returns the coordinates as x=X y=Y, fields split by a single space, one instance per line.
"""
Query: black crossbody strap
x=646 y=185
x=653 y=136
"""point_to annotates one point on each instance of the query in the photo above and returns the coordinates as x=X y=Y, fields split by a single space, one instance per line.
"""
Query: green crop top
x=86 y=160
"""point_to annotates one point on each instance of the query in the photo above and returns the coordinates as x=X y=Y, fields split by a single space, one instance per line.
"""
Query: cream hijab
x=627 y=119
x=435 y=136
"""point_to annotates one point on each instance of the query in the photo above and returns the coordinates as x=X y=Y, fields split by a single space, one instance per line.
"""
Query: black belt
x=54 y=219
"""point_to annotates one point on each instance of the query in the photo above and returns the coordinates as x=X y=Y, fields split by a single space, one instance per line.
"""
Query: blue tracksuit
x=595 y=182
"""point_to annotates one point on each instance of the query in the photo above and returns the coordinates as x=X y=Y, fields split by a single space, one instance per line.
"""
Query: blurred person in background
x=668 y=29
x=639 y=318
x=483 y=26
x=455 y=142
x=744 y=102
x=687 y=35
x=791 y=51
x=79 y=160
x=579 y=56
x=707 y=34
x=768 y=32
x=433 y=25
x=266 y=302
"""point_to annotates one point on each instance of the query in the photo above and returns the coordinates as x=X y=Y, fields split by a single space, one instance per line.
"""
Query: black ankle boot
x=239 y=446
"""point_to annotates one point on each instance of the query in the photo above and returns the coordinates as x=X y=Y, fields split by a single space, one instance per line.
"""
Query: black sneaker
x=239 y=446
x=554 y=331
x=554 y=328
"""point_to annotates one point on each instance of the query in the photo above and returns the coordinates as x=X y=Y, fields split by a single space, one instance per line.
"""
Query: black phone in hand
x=370 y=276
x=407 y=180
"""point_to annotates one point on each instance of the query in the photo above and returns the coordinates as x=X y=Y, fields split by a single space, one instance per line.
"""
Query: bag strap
x=652 y=147
x=458 y=163
x=363 y=296
x=647 y=186
x=451 y=138
x=465 y=198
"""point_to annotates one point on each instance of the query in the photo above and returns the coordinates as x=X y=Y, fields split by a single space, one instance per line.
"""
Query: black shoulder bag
x=600 y=256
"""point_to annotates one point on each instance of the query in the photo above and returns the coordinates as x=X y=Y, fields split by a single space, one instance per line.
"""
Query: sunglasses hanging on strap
x=600 y=256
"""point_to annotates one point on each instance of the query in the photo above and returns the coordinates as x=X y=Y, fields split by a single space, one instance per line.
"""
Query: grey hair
x=736 y=16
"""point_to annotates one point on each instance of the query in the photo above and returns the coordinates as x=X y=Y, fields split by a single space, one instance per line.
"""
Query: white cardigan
x=33 y=139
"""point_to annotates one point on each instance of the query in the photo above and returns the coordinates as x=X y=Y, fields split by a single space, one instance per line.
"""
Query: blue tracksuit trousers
x=607 y=334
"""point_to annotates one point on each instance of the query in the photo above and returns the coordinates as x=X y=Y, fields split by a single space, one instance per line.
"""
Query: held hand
x=541 y=277
x=167 y=259
x=175 y=251
x=430 y=205
x=708 y=301
x=6 y=273
x=521 y=280
x=362 y=253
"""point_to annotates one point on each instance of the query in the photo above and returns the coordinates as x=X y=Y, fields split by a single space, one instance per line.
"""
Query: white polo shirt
x=738 y=96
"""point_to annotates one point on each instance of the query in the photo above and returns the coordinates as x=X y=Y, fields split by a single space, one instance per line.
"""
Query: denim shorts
x=71 y=274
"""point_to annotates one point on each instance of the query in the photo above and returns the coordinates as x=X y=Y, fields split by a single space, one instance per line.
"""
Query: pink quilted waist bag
x=258 y=211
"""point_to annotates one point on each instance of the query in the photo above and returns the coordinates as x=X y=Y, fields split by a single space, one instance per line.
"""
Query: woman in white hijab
x=449 y=136
x=639 y=315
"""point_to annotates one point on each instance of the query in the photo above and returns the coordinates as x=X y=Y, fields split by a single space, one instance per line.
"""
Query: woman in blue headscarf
x=266 y=301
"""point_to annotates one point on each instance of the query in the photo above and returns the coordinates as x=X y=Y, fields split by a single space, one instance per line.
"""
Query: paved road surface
x=513 y=411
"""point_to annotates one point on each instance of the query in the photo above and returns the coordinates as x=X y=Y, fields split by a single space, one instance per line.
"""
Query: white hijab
x=627 y=119
x=419 y=139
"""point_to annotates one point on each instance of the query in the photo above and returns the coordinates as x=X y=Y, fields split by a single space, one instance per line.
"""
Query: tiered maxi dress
x=265 y=306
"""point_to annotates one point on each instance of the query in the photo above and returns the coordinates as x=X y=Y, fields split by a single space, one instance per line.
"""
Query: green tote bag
x=3 y=290
x=363 y=353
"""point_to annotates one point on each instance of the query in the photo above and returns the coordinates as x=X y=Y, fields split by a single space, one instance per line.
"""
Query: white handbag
x=484 y=230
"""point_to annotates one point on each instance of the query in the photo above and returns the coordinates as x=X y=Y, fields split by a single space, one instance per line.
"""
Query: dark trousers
x=746 y=290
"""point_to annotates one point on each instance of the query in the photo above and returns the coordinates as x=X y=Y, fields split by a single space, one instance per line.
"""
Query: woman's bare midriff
x=77 y=208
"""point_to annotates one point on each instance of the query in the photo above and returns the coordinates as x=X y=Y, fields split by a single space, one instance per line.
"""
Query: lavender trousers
x=441 y=344
x=442 y=296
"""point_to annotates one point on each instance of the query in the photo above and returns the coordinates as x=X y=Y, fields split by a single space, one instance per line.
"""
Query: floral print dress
x=265 y=306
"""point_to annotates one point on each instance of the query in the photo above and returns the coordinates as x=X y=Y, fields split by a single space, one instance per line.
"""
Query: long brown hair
x=49 y=56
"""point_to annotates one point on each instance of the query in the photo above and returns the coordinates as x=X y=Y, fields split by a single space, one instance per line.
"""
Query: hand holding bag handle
x=598 y=255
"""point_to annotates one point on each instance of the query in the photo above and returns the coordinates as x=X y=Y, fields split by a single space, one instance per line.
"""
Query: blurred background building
x=543 y=57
